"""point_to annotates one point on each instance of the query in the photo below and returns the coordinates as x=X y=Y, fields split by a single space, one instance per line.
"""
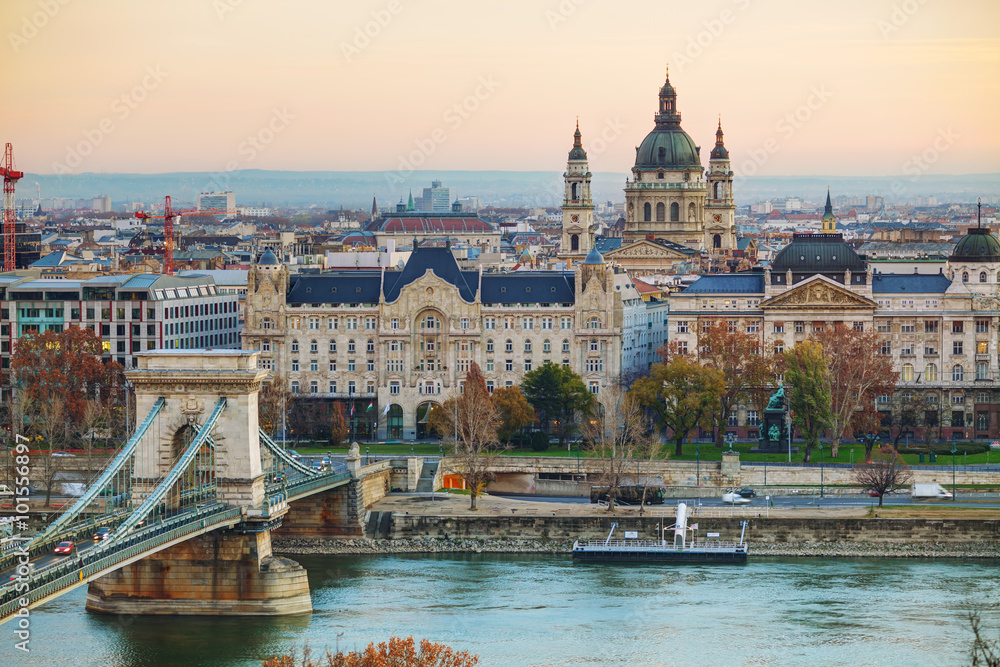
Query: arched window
x=266 y=323
x=546 y=346
x=371 y=346
x=594 y=323
x=647 y=212
x=717 y=241
x=661 y=212
x=350 y=346
x=957 y=374
x=527 y=346
x=907 y=374
x=982 y=276
x=508 y=345
x=675 y=212
x=930 y=373
x=965 y=277
x=489 y=345
x=295 y=346
x=574 y=242
x=715 y=190
x=313 y=346
x=575 y=191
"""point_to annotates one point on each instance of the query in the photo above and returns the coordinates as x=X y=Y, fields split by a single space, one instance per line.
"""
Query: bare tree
x=883 y=473
x=50 y=423
x=984 y=652
x=469 y=425
x=618 y=438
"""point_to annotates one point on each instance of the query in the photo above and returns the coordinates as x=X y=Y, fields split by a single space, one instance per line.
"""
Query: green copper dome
x=667 y=148
x=979 y=245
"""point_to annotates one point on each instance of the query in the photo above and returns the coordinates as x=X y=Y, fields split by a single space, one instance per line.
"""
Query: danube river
x=547 y=610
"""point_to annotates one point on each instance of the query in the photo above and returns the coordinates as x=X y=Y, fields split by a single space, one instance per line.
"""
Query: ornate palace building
x=941 y=330
x=391 y=344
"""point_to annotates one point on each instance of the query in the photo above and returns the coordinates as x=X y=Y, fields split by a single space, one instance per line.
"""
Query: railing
x=284 y=456
x=645 y=545
x=973 y=467
x=301 y=488
x=67 y=573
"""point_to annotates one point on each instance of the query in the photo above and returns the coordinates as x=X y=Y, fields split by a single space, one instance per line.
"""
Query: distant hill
x=354 y=189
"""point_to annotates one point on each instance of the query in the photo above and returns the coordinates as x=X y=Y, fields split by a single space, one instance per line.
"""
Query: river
x=547 y=610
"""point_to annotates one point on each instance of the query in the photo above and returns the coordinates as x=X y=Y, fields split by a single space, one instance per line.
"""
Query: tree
x=398 y=652
x=858 y=374
x=883 y=473
x=809 y=398
x=985 y=652
x=681 y=395
x=338 y=425
x=618 y=438
x=274 y=402
x=470 y=424
x=865 y=427
x=514 y=411
x=911 y=414
x=558 y=395
x=67 y=365
x=739 y=356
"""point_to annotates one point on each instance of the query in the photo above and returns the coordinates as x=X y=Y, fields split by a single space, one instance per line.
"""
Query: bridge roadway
x=55 y=575
x=979 y=500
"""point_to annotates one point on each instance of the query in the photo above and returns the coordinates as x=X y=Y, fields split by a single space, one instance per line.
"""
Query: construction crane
x=10 y=179
x=168 y=228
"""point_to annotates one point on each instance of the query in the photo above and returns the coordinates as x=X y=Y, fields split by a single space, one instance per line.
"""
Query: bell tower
x=577 y=208
x=720 y=208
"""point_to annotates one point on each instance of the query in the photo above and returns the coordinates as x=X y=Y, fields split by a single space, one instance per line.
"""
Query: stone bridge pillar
x=224 y=572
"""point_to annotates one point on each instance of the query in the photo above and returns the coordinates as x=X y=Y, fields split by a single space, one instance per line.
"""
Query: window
x=295 y=322
x=350 y=365
x=565 y=346
x=982 y=371
x=370 y=365
x=509 y=365
x=295 y=346
x=907 y=374
x=930 y=373
x=547 y=323
x=982 y=347
x=314 y=387
x=800 y=327
x=779 y=327
x=266 y=346
x=351 y=388
x=489 y=365
x=753 y=327
x=370 y=346
x=370 y=323
x=930 y=351
x=595 y=365
x=333 y=366
x=527 y=346
x=508 y=323
x=394 y=388
x=956 y=347
x=907 y=327
x=779 y=348
x=313 y=347
x=394 y=324
x=464 y=323
x=527 y=365
x=883 y=326
x=489 y=346
x=295 y=386
x=508 y=345
x=859 y=326
x=883 y=399
x=594 y=323
x=528 y=323
x=958 y=326
x=350 y=346
x=490 y=386
x=595 y=387
x=593 y=346
x=313 y=325
x=682 y=347
x=957 y=374
x=958 y=399
x=546 y=346
x=566 y=323
x=965 y=276
x=489 y=323
x=930 y=326
x=753 y=418
x=352 y=324
x=682 y=327
x=982 y=326
x=313 y=365
x=906 y=349
x=332 y=323
x=885 y=347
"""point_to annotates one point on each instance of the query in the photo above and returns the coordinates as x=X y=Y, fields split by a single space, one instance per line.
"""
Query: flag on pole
x=352 y=409
x=370 y=406
x=386 y=410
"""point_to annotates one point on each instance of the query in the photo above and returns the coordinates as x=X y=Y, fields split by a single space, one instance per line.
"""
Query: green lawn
x=705 y=451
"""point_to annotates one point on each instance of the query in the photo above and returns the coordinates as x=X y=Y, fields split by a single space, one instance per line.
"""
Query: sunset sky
x=497 y=84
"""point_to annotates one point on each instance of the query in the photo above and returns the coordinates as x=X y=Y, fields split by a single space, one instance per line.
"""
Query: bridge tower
x=224 y=572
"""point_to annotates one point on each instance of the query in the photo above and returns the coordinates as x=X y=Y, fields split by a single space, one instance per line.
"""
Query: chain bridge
x=190 y=501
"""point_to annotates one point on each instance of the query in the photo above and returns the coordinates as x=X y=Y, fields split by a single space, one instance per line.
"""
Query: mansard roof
x=438 y=260
x=341 y=287
x=891 y=283
x=529 y=287
x=728 y=283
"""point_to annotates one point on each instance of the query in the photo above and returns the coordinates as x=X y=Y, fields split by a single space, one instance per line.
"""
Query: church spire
x=719 y=152
x=829 y=221
x=409 y=204
x=577 y=152
x=668 y=114
x=374 y=208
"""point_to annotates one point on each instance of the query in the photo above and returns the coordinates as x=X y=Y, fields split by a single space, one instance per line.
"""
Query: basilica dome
x=667 y=146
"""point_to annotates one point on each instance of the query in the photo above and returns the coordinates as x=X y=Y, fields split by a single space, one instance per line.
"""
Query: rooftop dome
x=577 y=153
x=719 y=152
x=667 y=146
x=818 y=253
x=979 y=245
x=268 y=259
x=594 y=257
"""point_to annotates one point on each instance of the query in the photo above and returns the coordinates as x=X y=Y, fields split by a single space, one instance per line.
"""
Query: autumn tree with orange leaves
x=398 y=652
x=739 y=356
x=858 y=374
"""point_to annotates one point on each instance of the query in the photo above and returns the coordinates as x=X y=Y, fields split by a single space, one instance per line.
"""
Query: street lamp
x=697 y=458
x=821 y=470
x=765 y=469
x=954 y=450
x=730 y=438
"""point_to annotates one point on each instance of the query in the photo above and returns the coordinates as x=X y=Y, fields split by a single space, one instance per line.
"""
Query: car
x=317 y=465
x=747 y=493
x=326 y=461
x=733 y=498
x=294 y=454
x=31 y=571
x=65 y=547
x=102 y=533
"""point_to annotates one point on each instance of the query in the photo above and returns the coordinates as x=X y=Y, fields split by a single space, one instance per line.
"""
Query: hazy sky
x=804 y=87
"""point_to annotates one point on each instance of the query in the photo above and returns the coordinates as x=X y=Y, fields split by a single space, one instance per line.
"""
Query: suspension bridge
x=189 y=503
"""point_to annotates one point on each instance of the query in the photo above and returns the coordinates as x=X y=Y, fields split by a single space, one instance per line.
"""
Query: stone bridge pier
x=224 y=572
